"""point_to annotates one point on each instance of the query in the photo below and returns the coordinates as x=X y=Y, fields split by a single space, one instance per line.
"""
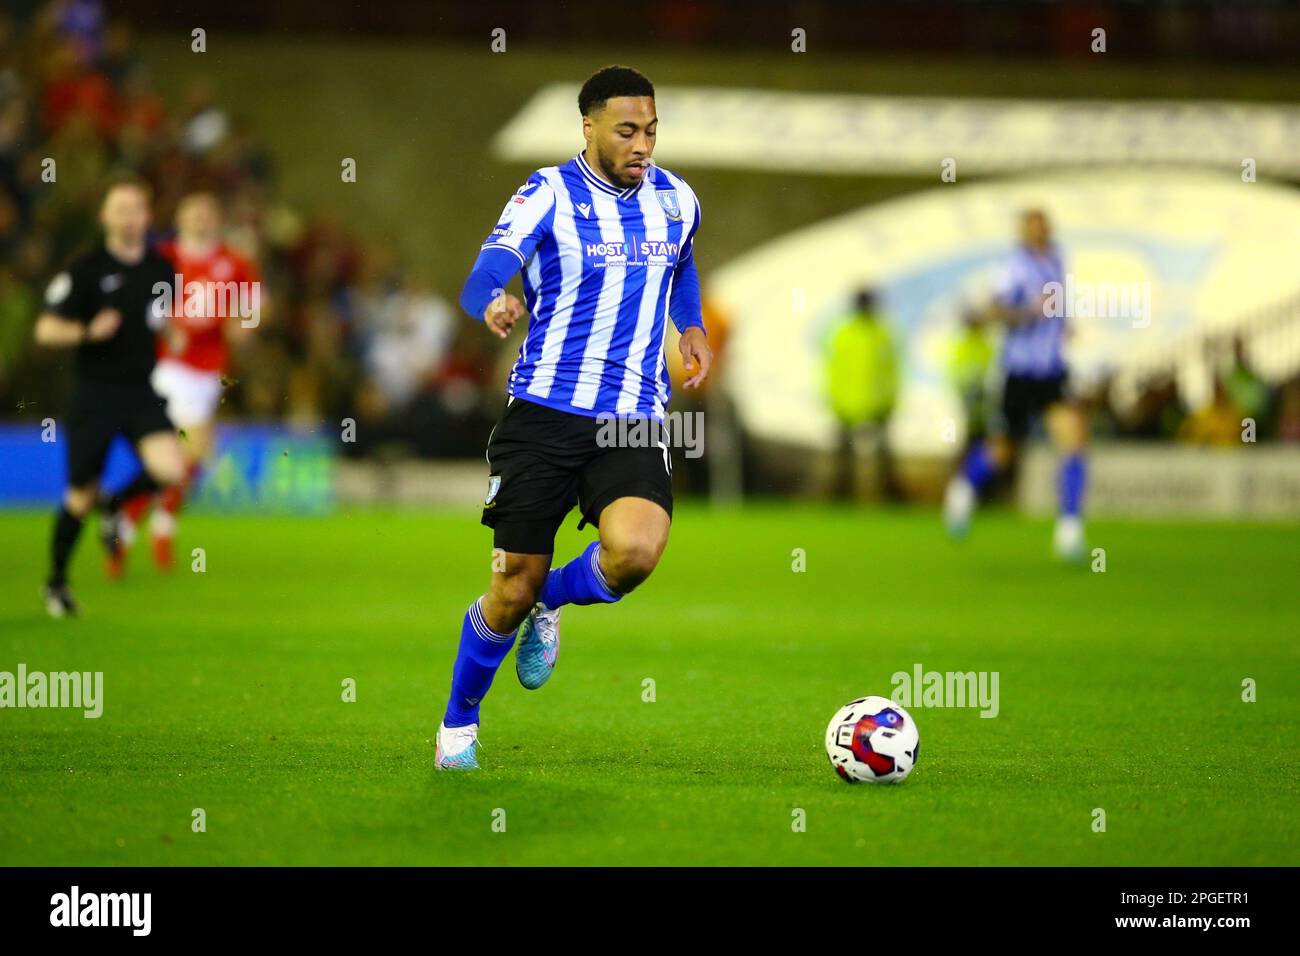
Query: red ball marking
x=861 y=747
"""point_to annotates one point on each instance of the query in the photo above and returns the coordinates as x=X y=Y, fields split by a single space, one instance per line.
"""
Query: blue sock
x=481 y=652
x=978 y=466
x=579 y=582
x=1074 y=480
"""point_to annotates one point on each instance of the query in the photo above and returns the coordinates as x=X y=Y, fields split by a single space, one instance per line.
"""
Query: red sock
x=135 y=508
x=174 y=497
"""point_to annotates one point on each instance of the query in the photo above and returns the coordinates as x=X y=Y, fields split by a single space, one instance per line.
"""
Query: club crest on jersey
x=668 y=200
x=494 y=485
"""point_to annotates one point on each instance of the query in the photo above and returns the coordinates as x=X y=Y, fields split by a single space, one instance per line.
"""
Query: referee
x=103 y=307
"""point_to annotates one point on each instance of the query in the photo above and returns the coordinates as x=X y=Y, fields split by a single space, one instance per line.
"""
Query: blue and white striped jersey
x=600 y=266
x=1036 y=348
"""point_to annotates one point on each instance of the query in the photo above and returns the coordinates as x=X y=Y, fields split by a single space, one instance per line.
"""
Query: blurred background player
x=1034 y=387
x=103 y=306
x=594 y=349
x=862 y=385
x=193 y=355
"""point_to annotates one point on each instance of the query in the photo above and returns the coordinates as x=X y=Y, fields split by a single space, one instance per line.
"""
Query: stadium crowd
x=347 y=330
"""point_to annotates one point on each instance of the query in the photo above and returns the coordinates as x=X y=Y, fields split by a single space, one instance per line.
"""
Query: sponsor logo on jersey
x=494 y=485
x=634 y=251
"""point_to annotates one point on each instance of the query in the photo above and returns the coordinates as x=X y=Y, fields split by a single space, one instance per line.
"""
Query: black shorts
x=102 y=410
x=542 y=462
x=1024 y=399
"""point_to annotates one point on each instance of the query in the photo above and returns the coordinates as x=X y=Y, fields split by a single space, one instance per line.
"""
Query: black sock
x=67 y=528
x=142 y=484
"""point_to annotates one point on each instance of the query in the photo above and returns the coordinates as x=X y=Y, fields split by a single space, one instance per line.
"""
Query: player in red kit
x=217 y=299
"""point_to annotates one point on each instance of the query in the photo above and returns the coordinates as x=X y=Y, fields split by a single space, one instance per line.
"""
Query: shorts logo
x=668 y=200
x=494 y=485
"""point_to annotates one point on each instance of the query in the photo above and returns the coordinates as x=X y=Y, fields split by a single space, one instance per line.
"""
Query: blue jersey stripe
x=599 y=263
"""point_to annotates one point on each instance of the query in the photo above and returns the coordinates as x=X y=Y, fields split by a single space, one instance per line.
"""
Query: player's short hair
x=127 y=180
x=609 y=82
x=864 y=300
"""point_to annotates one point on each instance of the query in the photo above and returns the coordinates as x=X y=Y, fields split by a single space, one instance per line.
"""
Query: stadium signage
x=740 y=128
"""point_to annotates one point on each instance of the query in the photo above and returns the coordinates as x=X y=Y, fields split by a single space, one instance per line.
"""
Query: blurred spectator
x=1218 y=424
x=968 y=369
x=409 y=330
x=1244 y=388
x=343 y=334
x=1288 y=412
x=861 y=384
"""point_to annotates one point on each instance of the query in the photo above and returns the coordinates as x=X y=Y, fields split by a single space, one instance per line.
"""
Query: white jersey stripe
x=570 y=255
x=606 y=316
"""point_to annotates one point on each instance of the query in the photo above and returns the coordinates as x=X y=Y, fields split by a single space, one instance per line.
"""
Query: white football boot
x=959 y=501
x=457 y=748
x=1067 y=541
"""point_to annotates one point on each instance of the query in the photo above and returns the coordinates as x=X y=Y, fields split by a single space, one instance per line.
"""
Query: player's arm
x=1010 y=306
x=67 y=320
x=526 y=219
x=1000 y=313
x=485 y=296
x=687 y=313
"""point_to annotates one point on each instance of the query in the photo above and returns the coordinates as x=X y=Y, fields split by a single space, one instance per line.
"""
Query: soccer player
x=193 y=353
x=103 y=307
x=605 y=242
x=1033 y=362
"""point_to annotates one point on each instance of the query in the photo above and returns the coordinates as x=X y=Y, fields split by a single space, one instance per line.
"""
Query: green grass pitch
x=223 y=691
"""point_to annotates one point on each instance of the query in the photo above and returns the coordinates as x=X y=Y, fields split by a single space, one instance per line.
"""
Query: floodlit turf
x=1119 y=691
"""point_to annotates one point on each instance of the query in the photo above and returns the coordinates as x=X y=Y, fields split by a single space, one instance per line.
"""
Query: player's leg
x=197 y=442
x=148 y=427
x=89 y=431
x=627 y=494
x=134 y=509
x=192 y=398
x=164 y=465
x=78 y=501
x=633 y=535
x=487 y=634
x=532 y=486
x=1067 y=424
x=986 y=459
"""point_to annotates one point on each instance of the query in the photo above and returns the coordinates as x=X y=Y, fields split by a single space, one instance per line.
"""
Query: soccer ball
x=872 y=739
